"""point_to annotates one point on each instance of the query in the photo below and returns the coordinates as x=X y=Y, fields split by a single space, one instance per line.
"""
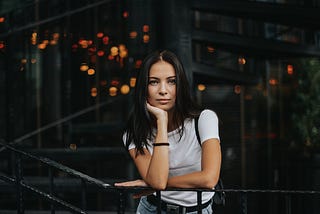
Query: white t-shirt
x=185 y=155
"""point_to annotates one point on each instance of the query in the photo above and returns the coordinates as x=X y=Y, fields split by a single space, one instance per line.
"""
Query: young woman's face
x=162 y=86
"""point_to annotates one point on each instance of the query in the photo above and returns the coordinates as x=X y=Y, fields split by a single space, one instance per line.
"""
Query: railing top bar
x=59 y=166
x=222 y=190
x=112 y=187
x=43 y=194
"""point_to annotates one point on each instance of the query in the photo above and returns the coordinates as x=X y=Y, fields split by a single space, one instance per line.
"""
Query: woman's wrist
x=161 y=144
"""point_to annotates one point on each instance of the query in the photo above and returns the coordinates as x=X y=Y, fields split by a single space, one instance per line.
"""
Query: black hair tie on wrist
x=161 y=144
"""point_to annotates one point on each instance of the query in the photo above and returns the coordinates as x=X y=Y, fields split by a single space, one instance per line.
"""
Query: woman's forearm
x=158 y=171
x=198 y=179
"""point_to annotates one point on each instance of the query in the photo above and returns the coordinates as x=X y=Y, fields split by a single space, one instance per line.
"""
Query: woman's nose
x=163 y=89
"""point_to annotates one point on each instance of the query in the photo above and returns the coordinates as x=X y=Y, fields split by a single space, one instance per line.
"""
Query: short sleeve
x=208 y=125
x=124 y=138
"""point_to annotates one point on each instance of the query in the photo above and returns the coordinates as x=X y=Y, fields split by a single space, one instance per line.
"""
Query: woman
x=161 y=138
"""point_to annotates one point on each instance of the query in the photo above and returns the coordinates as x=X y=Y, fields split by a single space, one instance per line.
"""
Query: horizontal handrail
x=121 y=189
x=57 y=165
x=43 y=194
x=98 y=182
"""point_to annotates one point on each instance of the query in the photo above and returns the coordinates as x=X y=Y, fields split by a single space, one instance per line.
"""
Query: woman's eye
x=153 y=82
x=172 y=81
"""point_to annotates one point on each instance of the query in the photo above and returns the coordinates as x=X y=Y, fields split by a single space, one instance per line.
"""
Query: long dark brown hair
x=140 y=122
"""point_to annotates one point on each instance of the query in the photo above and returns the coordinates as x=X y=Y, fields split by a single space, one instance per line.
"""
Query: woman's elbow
x=210 y=183
x=159 y=186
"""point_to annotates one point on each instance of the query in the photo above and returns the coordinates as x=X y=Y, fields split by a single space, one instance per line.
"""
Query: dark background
x=256 y=62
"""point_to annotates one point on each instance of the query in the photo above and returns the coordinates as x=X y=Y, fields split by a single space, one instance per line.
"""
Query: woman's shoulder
x=208 y=113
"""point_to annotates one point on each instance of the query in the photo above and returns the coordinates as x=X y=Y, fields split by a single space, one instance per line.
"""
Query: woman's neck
x=171 y=125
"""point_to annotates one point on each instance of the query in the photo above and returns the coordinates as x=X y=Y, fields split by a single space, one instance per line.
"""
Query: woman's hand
x=157 y=112
x=135 y=183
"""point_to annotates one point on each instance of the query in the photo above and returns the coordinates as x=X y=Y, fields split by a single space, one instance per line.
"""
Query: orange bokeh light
x=290 y=69
x=125 y=14
x=145 y=28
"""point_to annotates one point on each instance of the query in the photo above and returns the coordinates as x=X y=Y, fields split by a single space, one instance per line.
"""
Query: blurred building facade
x=69 y=68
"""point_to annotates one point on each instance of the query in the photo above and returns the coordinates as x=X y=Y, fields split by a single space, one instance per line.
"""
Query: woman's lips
x=163 y=101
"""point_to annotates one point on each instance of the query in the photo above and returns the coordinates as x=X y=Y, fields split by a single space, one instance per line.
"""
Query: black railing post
x=158 y=196
x=121 y=205
x=199 y=201
x=243 y=203
x=51 y=190
x=83 y=194
x=18 y=175
x=288 y=204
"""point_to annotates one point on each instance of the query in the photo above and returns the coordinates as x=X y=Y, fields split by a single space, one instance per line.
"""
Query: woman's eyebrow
x=171 y=77
x=151 y=77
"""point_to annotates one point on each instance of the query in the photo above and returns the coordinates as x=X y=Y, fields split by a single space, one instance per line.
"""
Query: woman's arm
x=210 y=169
x=154 y=169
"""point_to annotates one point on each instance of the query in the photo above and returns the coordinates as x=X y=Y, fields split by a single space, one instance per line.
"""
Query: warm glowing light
x=1 y=45
x=33 y=61
x=100 y=35
x=94 y=92
x=100 y=53
x=34 y=38
x=138 y=63
x=55 y=36
x=42 y=46
x=91 y=71
x=133 y=34
x=122 y=47
x=133 y=82
x=145 y=28
x=210 y=49
x=105 y=40
x=23 y=61
x=241 y=61
x=123 y=51
x=237 y=89
x=2 y=19
x=201 y=87
x=83 y=43
x=45 y=41
x=73 y=146
x=125 y=89
x=92 y=50
x=146 y=38
x=290 y=69
x=123 y=54
x=110 y=57
x=273 y=81
x=125 y=14
x=53 y=42
x=114 y=51
x=113 y=91
x=84 y=67
x=115 y=82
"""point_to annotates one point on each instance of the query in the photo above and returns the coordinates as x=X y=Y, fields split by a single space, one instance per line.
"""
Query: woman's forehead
x=161 y=68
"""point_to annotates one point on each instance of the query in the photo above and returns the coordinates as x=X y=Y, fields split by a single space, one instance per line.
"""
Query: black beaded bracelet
x=161 y=144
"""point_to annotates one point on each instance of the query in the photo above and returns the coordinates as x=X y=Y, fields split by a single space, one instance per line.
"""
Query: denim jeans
x=145 y=207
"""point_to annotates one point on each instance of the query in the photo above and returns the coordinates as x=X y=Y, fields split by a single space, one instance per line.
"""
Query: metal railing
x=20 y=184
